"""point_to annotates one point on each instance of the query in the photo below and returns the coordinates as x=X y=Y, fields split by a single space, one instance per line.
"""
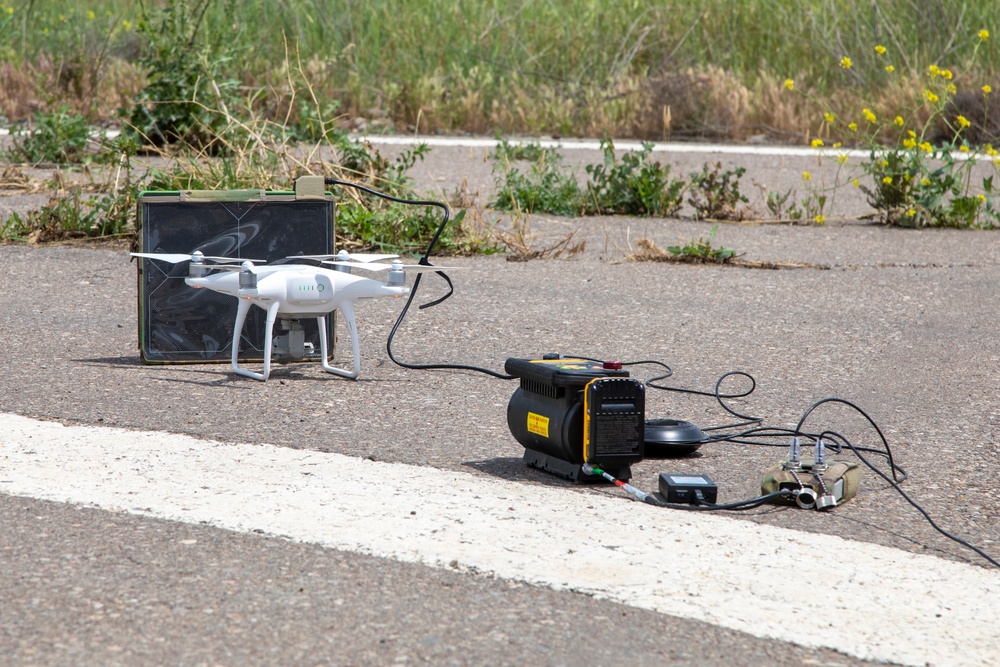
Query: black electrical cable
x=424 y=261
x=720 y=397
x=894 y=483
x=798 y=427
x=749 y=504
x=701 y=505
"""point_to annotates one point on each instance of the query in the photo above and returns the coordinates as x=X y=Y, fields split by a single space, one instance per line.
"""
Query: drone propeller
x=397 y=265
x=344 y=256
x=175 y=258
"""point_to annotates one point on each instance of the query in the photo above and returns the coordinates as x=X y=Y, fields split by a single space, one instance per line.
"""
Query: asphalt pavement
x=900 y=322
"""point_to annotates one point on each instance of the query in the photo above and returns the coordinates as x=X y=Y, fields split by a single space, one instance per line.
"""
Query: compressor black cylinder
x=546 y=424
x=568 y=412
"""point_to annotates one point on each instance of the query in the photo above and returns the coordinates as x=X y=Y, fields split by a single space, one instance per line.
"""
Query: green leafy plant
x=702 y=250
x=188 y=93
x=546 y=188
x=531 y=151
x=910 y=190
x=398 y=228
x=315 y=122
x=715 y=194
x=57 y=136
x=635 y=185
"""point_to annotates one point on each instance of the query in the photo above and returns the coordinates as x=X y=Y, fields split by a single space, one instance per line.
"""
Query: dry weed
x=694 y=103
x=95 y=92
x=519 y=241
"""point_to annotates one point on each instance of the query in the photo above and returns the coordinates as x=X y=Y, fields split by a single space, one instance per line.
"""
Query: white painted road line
x=655 y=147
x=878 y=603
x=593 y=145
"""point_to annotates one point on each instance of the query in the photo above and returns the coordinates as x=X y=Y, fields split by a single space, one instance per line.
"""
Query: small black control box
x=680 y=489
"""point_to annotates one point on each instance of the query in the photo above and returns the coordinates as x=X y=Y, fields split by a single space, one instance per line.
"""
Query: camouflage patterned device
x=826 y=485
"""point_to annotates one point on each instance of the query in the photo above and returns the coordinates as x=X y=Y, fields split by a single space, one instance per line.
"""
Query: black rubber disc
x=667 y=438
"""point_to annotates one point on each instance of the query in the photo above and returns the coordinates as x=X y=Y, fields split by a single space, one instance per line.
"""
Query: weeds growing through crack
x=702 y=249
x=633 y=185
x=59 y=136
x=715 y=194
x=546 y=186
x=697 y=251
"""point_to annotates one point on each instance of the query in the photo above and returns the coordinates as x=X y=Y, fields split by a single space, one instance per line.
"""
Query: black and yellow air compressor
x=568 y=412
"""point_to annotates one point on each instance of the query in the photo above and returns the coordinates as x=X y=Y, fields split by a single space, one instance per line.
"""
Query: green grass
x=563 y=66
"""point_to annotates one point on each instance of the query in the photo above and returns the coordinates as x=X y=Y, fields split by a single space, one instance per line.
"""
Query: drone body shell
x=299 y=290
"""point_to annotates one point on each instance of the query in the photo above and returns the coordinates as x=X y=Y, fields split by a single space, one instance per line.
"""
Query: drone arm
x=347 y=308
x=241 y=315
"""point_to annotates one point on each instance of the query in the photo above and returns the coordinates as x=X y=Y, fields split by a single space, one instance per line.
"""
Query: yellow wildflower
x=817 y=143
x=841 y=159
x=820 y=219
x=845 y=62
x=946 y=74
x=869 y=116
x=829 y=117
x=990 y=150
x=981 y=198
x=963 y=148
x=789 y=84
x=890 y=69
x=910 y=213
x=951 y=88
x=898 y=121
x=855 y=183
x=987 y=89
x=925 y=182
x=806 y=176
x=91 y=15
x=885 y=163
x=837 y=144
x=887 y=180
x=931 y=97
x=984 y=35
x=933 y=70
x=926 y=147
x=879 y=49
x=909 y=143
x=963 y=122
x=853 y=127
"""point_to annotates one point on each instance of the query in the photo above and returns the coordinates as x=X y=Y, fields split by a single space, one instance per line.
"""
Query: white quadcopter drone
x=295 y=291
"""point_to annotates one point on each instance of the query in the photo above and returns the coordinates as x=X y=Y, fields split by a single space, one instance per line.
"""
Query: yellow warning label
x=538 y=424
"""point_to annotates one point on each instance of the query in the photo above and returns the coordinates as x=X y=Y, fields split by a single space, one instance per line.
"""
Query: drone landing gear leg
x=241 y=316
x=348 y=310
